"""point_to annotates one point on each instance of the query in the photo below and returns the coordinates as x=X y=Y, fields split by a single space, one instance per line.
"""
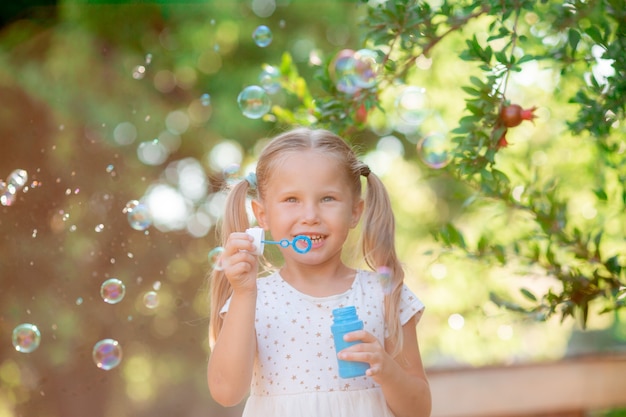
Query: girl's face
x=307 y=194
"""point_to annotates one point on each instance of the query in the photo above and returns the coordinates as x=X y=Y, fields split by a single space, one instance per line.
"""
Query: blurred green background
x=106 y=102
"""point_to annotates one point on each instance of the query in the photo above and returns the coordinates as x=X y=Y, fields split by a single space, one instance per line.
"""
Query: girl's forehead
x=292 y=159
x=306 y=163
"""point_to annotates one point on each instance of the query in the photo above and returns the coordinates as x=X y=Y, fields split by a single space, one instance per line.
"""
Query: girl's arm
x=403 y=381
x=232 y=358
x=229 y=371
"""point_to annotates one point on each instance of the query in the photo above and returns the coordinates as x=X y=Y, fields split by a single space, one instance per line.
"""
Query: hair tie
x=251 y=178
x=365 y=170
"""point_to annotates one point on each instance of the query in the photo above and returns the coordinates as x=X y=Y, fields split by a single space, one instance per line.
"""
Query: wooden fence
x=572 y=387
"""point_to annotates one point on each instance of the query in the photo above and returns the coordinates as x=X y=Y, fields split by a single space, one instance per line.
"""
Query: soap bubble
x=270 y=79
x=412 y=105
x=139 y=217
x=353 y=71
x=214 y=257
x=254 y=102
x=151 y=299
x=112 y=290
x=107 y=354
x=26 y=338
x=130 y=206
x=205 y=99
x=262 y=36
x=343 y=72
x=18 y=178
x=367 y=67
x=435 y=150
x=231 y=173
x=384 y=278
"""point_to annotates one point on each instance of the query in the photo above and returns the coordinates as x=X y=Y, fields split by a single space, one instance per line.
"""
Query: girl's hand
x=238 y=263
x=370 y=351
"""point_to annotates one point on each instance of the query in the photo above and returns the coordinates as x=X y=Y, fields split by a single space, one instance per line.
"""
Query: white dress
x=295 y=371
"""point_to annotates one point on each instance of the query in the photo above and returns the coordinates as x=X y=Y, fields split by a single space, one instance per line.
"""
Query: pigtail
x=235 y=220
x=379 y=249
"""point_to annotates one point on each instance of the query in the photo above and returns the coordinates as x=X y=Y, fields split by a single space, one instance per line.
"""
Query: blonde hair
x=378 y=228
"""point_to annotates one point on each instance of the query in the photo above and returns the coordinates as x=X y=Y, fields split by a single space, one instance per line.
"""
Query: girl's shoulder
x=409 y=304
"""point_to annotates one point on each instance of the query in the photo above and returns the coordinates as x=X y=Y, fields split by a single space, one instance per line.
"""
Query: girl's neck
x=319 y=282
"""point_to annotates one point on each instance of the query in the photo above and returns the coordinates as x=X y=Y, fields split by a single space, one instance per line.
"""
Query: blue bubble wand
x=301 y=243
x=285 y=243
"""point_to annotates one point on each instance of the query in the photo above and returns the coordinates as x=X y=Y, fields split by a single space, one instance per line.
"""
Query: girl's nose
x=310 y=214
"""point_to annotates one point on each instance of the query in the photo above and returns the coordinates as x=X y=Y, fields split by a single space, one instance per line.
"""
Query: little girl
x=271 y=337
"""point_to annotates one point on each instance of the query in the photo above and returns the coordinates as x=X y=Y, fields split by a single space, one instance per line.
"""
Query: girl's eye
x=290 y=199
x=328 y=198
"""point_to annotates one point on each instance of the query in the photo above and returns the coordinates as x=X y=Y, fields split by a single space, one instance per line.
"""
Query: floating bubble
x=205 y=99
x=254 y=102
x=214 y=256
x=270 y=79
x=151 y=299
x=26 y=338
x=139 y=217
x=353 y=71
x=99 y=228
x=231 y=173
x=107 y=354
x=367 y=68
x=262 y=36
x=17 y=178
x=130 y=206
x=231 y=170
x=343 y=72
x=412 y=105
x=112 y=290
x=384 y=278
x=435 y=150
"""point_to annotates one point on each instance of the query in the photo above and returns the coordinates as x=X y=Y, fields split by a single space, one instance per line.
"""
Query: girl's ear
x=259 y=213
x=357 y=211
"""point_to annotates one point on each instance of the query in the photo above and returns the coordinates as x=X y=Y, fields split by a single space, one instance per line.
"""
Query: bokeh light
x=17 y=178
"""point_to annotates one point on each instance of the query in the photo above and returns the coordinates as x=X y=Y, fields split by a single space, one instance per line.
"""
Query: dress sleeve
x=225 y=307
x=410 y=306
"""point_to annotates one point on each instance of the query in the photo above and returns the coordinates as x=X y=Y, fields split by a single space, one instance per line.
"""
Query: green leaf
x=573 y=37
x=526 y=293
x=601 y=194
x=594 y=34
x=471 y=91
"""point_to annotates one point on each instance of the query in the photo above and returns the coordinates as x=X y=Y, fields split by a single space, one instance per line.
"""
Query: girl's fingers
x=362 y=335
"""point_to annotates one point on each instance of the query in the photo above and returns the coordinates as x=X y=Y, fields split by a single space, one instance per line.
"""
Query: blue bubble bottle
x=345 y=320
